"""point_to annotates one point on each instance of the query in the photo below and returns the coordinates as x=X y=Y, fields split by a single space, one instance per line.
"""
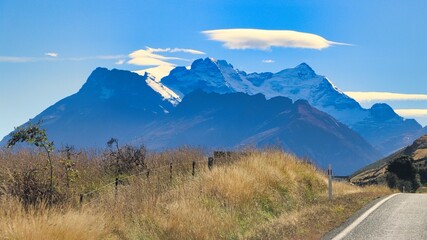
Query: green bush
x=403 y=175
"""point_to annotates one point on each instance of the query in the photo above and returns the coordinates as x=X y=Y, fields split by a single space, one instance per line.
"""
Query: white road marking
x=350 y=227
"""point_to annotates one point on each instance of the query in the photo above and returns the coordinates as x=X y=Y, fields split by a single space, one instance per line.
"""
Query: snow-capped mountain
x=209 y=75
x=112 y=103
x=380 y=125
x=125 y=105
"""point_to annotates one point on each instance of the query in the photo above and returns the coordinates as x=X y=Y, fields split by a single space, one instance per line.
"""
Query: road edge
x=356 y=218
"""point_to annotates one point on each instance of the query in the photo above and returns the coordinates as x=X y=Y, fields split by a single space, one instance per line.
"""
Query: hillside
x=377 y=171
x=236 y=120
x=262 y=195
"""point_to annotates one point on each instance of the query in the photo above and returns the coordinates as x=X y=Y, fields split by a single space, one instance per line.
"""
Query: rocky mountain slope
x=379 y=125
x=376 y=172
x=236 y=120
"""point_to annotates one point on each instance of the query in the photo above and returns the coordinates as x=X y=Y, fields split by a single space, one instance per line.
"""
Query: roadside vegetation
x=127 y=192
x=403 y=175
x=263 y=195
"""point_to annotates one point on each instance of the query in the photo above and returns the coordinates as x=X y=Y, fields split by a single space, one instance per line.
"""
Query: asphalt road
x=402 y=216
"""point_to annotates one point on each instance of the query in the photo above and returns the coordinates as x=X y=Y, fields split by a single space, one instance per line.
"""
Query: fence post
x=148 y=173
x=81 y=199
x=116 y=186
x=330 y=181
x=194 y=169
x=210 y=162
x=170 y=171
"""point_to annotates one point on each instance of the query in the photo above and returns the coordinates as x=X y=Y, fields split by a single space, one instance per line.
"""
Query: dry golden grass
x=42 y=223
x=263 y=195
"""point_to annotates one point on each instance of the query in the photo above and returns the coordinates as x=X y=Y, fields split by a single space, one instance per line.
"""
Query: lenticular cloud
x=265 y=39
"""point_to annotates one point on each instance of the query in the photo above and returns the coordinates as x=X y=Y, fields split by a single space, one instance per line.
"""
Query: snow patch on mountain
x=164 y=91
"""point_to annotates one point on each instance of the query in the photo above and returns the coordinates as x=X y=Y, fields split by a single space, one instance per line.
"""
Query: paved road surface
x=403 y=216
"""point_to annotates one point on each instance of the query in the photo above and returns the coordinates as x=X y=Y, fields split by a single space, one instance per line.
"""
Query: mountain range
x=379 y=125
x=214 y=105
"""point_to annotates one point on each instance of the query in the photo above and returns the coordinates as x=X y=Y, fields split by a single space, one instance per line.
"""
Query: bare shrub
x=126 y=159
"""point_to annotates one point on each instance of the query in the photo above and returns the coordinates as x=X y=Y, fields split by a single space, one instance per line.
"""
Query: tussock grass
x=261 y=195
x=41 y=222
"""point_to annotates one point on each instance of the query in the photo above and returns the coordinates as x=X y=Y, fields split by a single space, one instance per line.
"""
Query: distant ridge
x=376 y=172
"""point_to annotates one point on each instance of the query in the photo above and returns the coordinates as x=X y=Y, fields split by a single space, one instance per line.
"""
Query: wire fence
x=85 y=198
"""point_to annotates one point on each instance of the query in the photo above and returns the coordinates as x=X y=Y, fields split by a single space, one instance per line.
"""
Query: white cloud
x=265 y=39
x=10 y=59
x=412 y=112
x=147 y=57
x=157 y=49
x=267 y=61
x=172 y=50
x=101 y=57
x=160 y=64
x=51 y=54
x=159 y=71
x=385 y=96
x=120 y=61
x=186 y=50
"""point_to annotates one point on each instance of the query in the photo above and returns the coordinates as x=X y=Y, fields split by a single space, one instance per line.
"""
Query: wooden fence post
x=194 y=169
x=170 y=171
x=210 y=162
x=330 y=181
x=81 y=199
x=116 y=188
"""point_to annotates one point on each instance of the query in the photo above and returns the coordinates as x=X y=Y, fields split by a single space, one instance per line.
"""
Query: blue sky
x=49 y=48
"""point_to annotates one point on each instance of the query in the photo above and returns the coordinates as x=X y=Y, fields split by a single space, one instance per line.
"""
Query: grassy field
x=259 y=195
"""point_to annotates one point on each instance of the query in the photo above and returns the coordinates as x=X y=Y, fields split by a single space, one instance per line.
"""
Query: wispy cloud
x=10 y=59
x=267 y=61
x=52 y=57
x=51 y=54
x=265 y=39
x=158 y=71
x=160 y=65
x=186 y=50
x=120 y=62
x=148 y=57
x=173 y=50
x=412 y=112
x=101 y=57
x=385 y=96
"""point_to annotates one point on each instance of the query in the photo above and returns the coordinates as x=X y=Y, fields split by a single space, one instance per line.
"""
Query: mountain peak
x=111 y=78
x=302 y=71
x=383 y=111
x=209 y=62
x=204 y=64
x=305 y=68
